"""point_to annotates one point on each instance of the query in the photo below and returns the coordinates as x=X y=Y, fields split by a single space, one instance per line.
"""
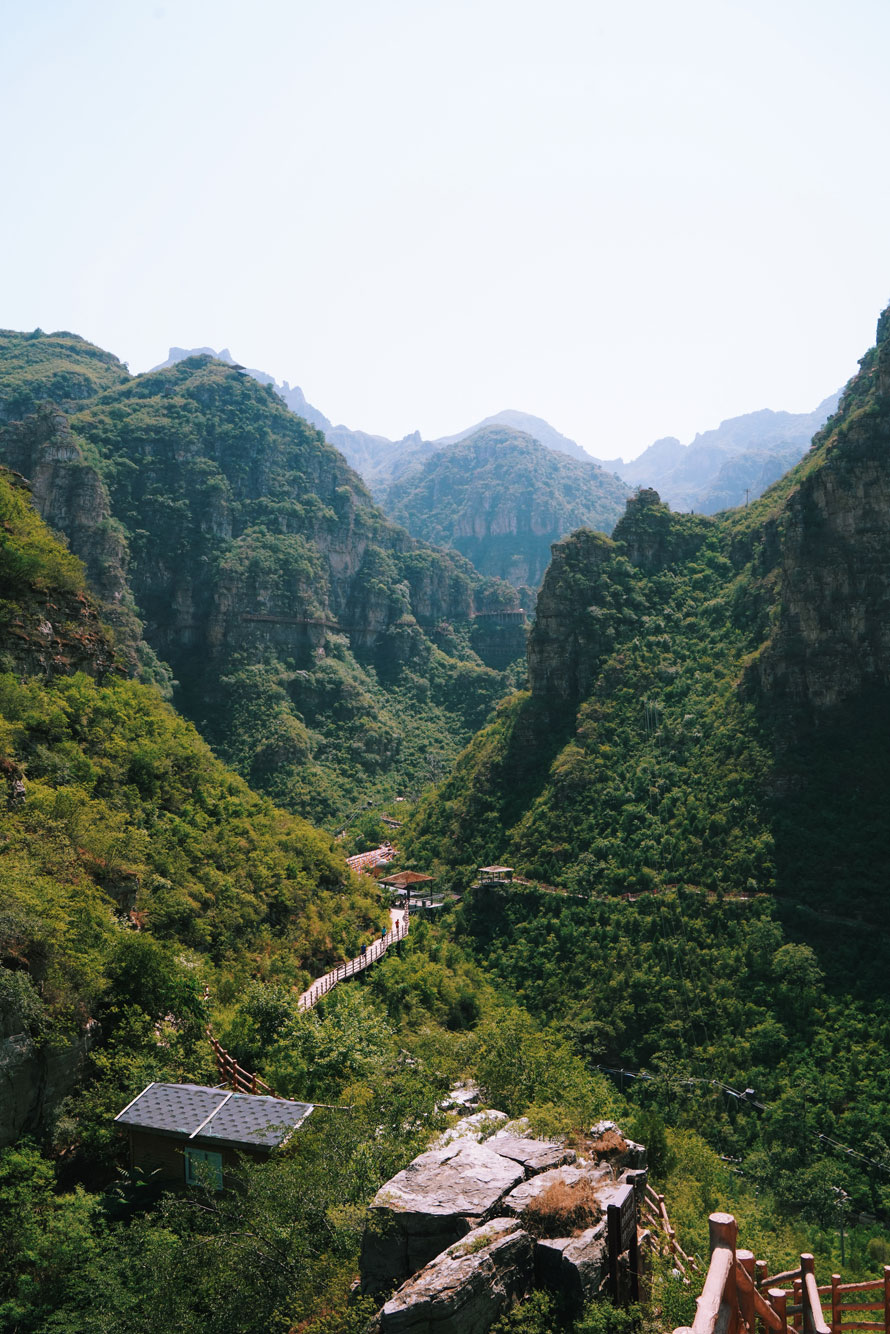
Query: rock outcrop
x=468 y=1228
x=435 y=1201
x=576 y=1267
x=466 y=1288
x=831 y=544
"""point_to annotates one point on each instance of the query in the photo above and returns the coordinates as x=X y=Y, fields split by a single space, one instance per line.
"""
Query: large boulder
x=576 y=1267
x=466 y=1288
x=438 y=1198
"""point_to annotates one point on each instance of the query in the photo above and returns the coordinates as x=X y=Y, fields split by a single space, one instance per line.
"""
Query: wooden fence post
x=746 y=1295
x=886 y=1299
x=813 y=1319
x=836 y=1304
x=779 y=1301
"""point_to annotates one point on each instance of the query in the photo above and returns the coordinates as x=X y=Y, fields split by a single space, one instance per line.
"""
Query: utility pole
x=841 y=1197
x=747 y=489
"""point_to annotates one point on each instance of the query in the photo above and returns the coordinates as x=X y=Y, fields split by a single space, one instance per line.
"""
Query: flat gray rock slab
x=535 y=1155
x=463 y=1178
x=519 y=1199
x=466 y=1288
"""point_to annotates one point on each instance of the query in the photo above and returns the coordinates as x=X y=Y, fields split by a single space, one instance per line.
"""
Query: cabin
x=185 y=1132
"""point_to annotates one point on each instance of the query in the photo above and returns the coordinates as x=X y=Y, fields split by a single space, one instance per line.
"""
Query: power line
x=746 y=1096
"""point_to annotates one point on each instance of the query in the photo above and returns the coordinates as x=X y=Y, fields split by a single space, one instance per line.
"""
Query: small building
x=184 y=1131
x=495 y=875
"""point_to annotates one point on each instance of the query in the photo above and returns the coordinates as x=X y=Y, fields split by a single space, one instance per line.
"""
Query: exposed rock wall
x=34 y=1081
x=832 y=636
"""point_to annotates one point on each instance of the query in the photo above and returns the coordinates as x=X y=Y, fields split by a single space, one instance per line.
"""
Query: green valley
x=691 y=789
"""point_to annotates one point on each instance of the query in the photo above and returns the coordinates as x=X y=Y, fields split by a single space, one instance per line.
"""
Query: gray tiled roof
x=249 y=1119
x=233 y=1118
x=175 y=1107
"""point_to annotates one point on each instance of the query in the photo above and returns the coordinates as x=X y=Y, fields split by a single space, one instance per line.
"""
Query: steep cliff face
x=69 y=495
x=593 y=592
x=247 y=542
x=47 y=626
x=710 y=696
x=501 y=499
x=238 y=515
x=832 y=578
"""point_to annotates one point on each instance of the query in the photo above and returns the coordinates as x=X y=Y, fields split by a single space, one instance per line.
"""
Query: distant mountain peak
x=536 y=427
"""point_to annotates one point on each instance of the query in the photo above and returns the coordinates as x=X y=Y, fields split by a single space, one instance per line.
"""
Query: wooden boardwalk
x=366 y=863
x=400 y=919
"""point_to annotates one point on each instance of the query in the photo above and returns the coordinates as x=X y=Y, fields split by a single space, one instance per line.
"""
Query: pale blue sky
x=633 y=220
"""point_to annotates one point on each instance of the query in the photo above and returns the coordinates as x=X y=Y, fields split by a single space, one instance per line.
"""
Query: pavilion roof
x=402 y=879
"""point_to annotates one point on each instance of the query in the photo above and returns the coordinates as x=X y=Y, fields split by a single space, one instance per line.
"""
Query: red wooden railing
x=738 y=1294
x=241 y=1080
x=662 y=1239
x=231 y=1073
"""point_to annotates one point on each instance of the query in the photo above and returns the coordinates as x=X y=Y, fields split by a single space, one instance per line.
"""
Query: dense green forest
x=501 y=498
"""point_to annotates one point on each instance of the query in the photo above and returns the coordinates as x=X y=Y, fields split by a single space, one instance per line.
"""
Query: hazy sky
x=631 y=219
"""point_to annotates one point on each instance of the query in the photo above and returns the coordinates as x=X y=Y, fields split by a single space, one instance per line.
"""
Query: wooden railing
x=662 y=1237
x=322 y=985
x=234 y=1075
x=366 y=863
x=738 y=1294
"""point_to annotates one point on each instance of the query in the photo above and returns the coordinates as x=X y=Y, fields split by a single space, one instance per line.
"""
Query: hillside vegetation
x=702 y=758
x=318 y=647
x=136 y=869
x=501 y=499
x=60 y=368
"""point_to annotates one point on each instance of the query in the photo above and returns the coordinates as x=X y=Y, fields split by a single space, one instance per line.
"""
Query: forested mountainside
x=376 y=459
x=730 y=465
x=501 y=499
x=320 y=649
x=58 y=368
x=135 y=868
x=692 y=666
x=144 y=891
x=704 y=755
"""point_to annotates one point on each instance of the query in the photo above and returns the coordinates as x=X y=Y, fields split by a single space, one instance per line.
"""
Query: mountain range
x=727 y=466
x=691 y=793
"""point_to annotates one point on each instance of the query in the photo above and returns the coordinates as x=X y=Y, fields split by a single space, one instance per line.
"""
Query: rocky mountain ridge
x=729 y=465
